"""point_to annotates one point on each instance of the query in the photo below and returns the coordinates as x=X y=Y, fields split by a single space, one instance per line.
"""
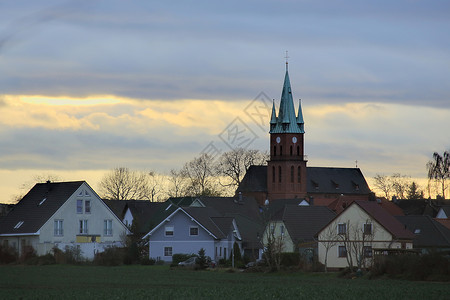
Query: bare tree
x=200 y=175
x=439 y=170
x=273 y=246
x=124 y=184
x=177 y=184
x=383 y=183
x=234 y=164
x=26 y=186
x=394 y=185
x=328 y=238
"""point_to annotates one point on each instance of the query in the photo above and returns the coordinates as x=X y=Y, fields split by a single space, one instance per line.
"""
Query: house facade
x=352 y=236
x=58 y=215
x=189 y=229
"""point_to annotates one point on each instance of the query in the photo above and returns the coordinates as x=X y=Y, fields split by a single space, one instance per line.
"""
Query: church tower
x=286 y=171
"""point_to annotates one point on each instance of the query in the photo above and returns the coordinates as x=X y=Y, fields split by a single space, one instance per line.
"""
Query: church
x=287 y=175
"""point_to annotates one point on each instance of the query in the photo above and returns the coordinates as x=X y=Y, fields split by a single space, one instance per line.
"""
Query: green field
x=160 y=282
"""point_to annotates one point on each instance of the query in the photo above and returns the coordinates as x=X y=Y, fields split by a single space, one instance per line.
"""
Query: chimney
x=311 y=200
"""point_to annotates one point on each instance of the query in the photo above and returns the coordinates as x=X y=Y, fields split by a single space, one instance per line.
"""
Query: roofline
x=19 y=234
x=168 y=217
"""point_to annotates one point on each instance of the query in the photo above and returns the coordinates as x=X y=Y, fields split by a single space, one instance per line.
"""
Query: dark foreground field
x=159 y=282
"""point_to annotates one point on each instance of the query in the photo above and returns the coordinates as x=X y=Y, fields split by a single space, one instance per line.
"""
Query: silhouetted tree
x=439 y=170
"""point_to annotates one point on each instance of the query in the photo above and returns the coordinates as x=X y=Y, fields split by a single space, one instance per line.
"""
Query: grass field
x=159 y=282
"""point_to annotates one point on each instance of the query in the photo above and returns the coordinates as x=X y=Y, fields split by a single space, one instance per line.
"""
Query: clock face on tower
x=278 y=140
x=294 y=140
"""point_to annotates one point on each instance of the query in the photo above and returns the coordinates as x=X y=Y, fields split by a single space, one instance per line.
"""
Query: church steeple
x=286 y=122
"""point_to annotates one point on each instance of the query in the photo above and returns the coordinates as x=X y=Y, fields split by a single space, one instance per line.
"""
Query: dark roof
x=319 y=180
x=336 y=180
x=255 y=180
x=142 y=211
x=427 y=232
x=210 y=219
x=33 y=211
x=389 y=222
x=419 y=207
x=303 y=222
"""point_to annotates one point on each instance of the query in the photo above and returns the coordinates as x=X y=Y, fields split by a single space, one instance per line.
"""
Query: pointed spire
x=273 y=119
x=286 y=122
x=300 y=121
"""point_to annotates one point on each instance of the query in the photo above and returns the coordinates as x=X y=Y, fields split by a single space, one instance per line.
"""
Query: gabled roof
x=445 y=209
x=142 y=211
x=208 y=218
x=427 y=232
x=389 y=222
x=303 y=222
x=37 y=207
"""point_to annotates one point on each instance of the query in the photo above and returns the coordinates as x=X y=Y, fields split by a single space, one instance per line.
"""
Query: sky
x=87 y=86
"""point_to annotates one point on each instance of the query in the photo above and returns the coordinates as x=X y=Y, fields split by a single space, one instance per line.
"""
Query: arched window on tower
x=299 y=176
x=291 y=150
x=279 y=173
x=281 y=150
x=273 y=174
x=274 y=150
x=298 y=150
x=292 y=174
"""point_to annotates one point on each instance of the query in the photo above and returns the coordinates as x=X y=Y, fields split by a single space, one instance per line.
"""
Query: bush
x=290 y=259
x=146 y=261
x=111 y=256
x=433 y=267
x=7 y=255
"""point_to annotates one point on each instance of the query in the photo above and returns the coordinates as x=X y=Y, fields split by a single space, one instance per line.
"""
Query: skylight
x=42 y=201
x=417 y=231
x=18 y=225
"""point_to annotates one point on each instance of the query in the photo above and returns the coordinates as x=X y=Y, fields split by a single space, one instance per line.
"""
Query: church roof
x=319 y=180
x=286 y=122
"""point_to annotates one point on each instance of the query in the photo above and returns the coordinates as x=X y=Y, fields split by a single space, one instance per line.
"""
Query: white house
x=352 y=236
x=60 y=214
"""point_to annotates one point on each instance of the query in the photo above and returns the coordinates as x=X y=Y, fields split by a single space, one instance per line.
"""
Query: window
x=83 y=227
x=79 y=206
x=274 y=150
x=342 y=251
x=58 y=228
x=273 y=174
x=107 y=227
x=18 y=225
x=279 y=173
x=292 y=174
x=193 y=230
x=298 y=150
x=281 y=150
x=282 y=230
x=290 y=152
x=87 y=206
x=367 y=251
x=368 y=228
x=169 y=231
x=167 y=251
x=272 y=228
x=342 y=228
x=225 y=252
x=299 y=176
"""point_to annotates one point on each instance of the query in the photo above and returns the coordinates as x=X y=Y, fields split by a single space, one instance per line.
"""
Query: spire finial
x=287 y=57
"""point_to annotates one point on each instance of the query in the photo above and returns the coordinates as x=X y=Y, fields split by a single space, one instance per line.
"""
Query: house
x=296 y=225
x=429 y=234
x=56 y=214
x=244 y=210
x=137 y=215
x=287 y=174
x=363 y=226
x=188 y=229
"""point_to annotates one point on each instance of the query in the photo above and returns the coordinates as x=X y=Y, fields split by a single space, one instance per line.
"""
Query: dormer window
x=335 y=184
x=18 y=225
